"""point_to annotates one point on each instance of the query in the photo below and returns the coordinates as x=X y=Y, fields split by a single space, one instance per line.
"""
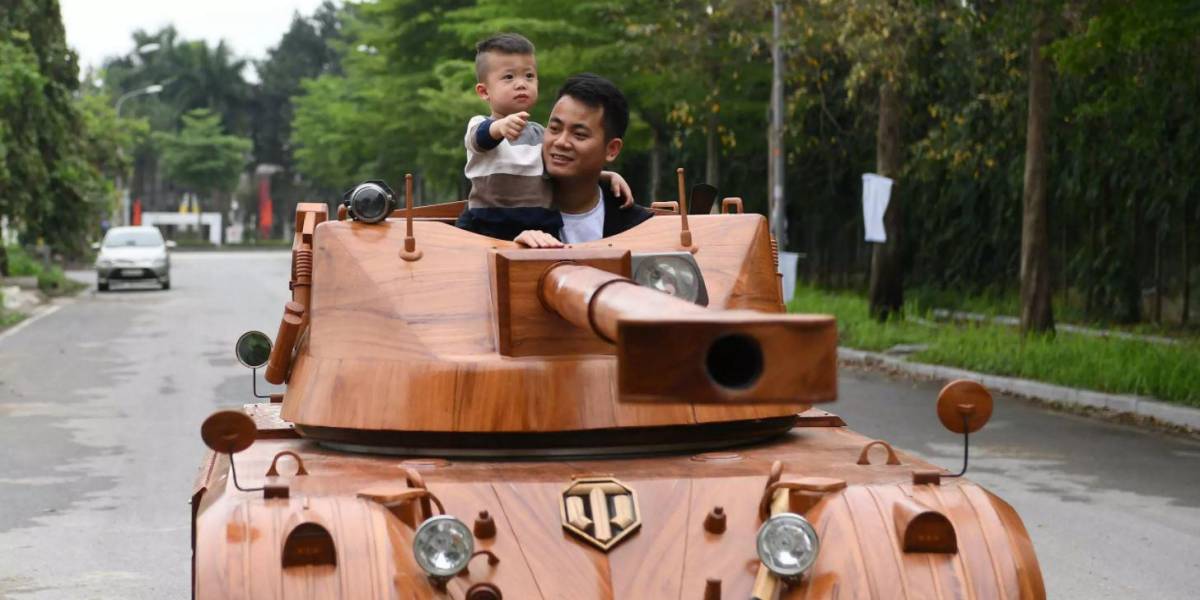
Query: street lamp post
x=776 y=202
x=150 y=89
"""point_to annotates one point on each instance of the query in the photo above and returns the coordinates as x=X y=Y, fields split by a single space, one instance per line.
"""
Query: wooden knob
x=712 y=589
x=485 y=527
x=715 y=521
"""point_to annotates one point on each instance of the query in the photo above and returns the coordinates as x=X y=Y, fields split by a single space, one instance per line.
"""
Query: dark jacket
x=617 y=219
x=507 y=223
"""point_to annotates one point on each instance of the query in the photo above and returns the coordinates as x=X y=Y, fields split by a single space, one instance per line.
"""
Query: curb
x=1141 y=406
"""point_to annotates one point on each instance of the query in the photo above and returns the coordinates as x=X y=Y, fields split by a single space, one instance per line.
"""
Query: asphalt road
x=101 y=404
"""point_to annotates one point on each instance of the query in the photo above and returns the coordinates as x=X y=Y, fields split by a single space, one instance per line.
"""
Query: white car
x=133 y=253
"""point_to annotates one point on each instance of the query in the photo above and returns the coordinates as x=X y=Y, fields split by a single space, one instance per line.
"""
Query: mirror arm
x=233 y=469
x=254 y=384
x=966 y=446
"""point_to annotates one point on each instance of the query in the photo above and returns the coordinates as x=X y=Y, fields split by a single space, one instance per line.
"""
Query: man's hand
x=509 y=127
x=620 y=187
x=532 y=238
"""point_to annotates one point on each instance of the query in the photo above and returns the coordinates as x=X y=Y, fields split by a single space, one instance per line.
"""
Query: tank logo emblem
x=601 y=510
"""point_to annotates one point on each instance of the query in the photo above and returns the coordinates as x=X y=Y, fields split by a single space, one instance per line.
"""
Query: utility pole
x=150 y=89
x=775 y=177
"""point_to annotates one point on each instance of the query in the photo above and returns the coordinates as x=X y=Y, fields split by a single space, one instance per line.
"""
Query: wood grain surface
x=239 y=535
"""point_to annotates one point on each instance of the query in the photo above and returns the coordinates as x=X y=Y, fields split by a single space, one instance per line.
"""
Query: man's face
x=511 y=84
x=574 y=146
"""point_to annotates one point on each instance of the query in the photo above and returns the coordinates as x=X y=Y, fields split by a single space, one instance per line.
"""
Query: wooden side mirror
x=964 y=406
x=228 y=431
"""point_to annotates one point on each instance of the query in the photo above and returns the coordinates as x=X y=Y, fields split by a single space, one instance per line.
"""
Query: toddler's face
x=511 y=85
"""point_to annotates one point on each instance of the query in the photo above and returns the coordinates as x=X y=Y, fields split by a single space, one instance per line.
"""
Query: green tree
x=1036 y=312
x=202 y=158
x=879 y=37
x=48 y=190
x=306 y=51
x=193 y=75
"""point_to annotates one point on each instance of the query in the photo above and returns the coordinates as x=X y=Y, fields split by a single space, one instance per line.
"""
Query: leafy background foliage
x=377 y=89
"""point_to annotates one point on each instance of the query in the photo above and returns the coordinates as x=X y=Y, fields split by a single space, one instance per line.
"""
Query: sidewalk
x=1139 y=406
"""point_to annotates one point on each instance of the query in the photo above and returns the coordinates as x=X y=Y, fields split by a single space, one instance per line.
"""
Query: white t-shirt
x=584 y=227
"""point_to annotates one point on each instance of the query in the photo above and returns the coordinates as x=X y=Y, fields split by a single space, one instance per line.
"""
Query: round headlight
x=670 y=274
x=370 y=202
x=443 y=545
x=788 y=544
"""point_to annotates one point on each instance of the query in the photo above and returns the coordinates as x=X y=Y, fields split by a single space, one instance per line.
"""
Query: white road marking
x=30 y=320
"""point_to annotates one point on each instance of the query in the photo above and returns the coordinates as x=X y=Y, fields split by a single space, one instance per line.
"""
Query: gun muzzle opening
x=734 y=361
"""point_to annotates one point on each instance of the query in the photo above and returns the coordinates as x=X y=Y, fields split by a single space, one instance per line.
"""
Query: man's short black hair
x=501 y=43
x=598 y=92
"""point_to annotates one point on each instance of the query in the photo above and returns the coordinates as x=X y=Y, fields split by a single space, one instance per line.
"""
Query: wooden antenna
x=685 y=234
x=410 y=251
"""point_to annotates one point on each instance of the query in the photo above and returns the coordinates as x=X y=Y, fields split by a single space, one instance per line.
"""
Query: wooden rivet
x=715 y=521
x=485 y=527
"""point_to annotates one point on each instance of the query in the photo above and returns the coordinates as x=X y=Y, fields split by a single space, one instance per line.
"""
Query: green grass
x=8 y=318
x=1169 y=373
x=20 y=263
x=51 y=280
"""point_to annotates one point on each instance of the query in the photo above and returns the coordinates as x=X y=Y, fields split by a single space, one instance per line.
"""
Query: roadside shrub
x=20 y=263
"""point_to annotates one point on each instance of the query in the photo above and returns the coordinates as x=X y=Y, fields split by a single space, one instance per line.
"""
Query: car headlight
x=674 y=273
x=443 y=545
x=788 y=544
x=160 y=261
x=104 y=263
x=370 y=202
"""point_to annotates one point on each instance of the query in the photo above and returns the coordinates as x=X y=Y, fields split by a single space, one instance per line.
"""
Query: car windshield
x=148 y=238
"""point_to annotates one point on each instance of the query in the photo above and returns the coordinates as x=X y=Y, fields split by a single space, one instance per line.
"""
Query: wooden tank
x=589 y=436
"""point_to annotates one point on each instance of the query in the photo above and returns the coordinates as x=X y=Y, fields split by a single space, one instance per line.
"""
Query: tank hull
x=239 y=537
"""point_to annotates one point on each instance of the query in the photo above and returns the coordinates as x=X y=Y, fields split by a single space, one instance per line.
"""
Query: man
x=583 y=134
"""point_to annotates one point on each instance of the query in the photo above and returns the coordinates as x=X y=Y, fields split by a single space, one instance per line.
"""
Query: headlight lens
x=443 y=545
x=673 y=273
x=370 y=202
x=788 y=544
x=104 y=263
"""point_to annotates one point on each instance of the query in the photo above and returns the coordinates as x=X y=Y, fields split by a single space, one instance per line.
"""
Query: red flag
x=137 y=211
x=265 y=211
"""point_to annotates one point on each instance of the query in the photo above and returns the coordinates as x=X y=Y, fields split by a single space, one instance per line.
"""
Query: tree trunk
x=1036 y=315
x=887 y=281
x=4 y=259
x=712 y=160
x=1187 y=266
x=655 y=164
x=1158 y=281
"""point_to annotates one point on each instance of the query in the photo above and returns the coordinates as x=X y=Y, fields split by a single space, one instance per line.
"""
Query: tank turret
x=478 y=344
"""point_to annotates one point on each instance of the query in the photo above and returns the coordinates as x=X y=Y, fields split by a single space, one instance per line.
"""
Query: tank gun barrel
x=672 y=349
x=597 y=300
